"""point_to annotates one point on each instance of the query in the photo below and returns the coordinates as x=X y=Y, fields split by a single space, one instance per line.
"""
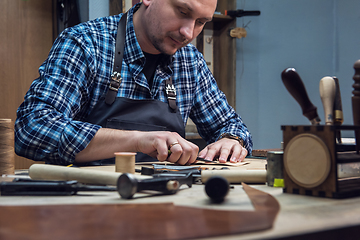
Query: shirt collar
x=133 y=50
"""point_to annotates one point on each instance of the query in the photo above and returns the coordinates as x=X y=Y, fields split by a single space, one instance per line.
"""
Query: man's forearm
x=106 y=142
x=156 y=144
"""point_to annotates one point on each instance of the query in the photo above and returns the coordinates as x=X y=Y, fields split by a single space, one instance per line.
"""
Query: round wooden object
x=307 y=160
x=125 y=162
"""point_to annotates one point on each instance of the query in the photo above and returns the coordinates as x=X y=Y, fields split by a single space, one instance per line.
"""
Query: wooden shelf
x=224 y=50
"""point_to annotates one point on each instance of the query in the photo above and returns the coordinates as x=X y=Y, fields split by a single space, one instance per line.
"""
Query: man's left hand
x=223 y=149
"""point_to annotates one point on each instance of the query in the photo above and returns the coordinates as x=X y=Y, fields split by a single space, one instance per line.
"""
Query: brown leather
x=134 y=221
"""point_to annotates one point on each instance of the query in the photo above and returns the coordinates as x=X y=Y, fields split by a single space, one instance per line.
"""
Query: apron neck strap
x=119 y=55
x=116 y=74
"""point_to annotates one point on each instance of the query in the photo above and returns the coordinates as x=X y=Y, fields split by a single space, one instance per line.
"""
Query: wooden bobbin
x=7 y=164
x=125 y=162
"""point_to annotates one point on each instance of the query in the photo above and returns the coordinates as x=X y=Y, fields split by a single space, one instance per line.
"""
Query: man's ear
x=146 y=2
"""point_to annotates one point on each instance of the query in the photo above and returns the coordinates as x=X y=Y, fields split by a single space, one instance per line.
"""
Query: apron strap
x=171 y=94
x=119 y=54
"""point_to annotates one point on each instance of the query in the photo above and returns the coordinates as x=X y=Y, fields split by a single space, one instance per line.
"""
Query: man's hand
x=167 y=146
x=224 y=148
x=156 y=144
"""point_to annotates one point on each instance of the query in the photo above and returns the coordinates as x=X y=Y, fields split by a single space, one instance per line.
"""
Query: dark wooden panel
x=225 y=51
x=26 y=38
x=225 y=60
x=116 y=7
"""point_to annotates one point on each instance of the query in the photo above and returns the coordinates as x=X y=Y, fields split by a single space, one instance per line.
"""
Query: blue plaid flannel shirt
x=50 y=123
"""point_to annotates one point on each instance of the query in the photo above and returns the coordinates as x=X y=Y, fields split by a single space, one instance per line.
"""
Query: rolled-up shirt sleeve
x=48 y=125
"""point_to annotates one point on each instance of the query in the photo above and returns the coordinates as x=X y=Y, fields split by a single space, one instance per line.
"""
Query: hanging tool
x=241 y=13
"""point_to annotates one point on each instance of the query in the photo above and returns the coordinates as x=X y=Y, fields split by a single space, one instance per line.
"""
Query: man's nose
x=187 y=29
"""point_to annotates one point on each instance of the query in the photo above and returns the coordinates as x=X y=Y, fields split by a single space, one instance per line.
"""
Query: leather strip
x=135 y=221
x=119 y=54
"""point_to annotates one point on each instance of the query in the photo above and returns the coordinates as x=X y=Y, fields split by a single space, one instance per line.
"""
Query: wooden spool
x=125 y=162
x=7 y=164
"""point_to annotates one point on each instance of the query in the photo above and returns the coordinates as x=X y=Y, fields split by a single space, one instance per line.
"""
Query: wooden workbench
x=299 y=216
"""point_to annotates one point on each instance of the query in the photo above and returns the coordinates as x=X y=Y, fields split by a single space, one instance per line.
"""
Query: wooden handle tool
x=236 y=176
x=327 y=89
x=338 y=111
x=90 y=176
x=296 y=88
x=356 y=94
x=355 y=99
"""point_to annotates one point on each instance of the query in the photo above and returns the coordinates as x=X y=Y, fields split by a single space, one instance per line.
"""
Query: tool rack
x=312 y=152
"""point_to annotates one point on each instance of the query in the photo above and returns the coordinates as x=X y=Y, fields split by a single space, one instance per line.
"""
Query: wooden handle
x=52 y=172
x=355 y=99
x=338 y=112
x=356 y=94
x=236 y=176
x=296 y=88
x=327 y=89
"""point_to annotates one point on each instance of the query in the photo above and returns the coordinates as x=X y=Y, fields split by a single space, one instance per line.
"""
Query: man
x=71 y=115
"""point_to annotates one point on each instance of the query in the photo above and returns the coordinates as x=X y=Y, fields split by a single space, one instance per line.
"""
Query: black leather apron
x=129 y=114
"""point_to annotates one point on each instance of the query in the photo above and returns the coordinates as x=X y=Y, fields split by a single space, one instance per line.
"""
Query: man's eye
x=183 y=13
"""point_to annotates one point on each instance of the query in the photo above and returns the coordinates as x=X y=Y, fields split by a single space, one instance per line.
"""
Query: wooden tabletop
x=299 y=215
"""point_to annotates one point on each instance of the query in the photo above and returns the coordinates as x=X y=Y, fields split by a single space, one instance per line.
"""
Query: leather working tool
x=128 y=185
x=217 y=188
x=296 y=88
x=204 y=173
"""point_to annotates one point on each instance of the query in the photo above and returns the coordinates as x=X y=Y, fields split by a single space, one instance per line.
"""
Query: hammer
x=127 y=184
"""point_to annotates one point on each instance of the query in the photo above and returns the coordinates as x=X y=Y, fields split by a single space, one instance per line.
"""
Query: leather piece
x=134 y=221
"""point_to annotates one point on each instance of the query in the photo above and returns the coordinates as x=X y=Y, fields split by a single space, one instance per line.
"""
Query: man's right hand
x=167 y=146
x=156 y=144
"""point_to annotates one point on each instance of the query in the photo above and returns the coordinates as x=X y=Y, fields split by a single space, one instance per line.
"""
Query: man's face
x=172 y=24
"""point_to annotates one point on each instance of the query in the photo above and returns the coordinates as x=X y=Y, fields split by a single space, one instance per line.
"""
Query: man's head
x=164 y=26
